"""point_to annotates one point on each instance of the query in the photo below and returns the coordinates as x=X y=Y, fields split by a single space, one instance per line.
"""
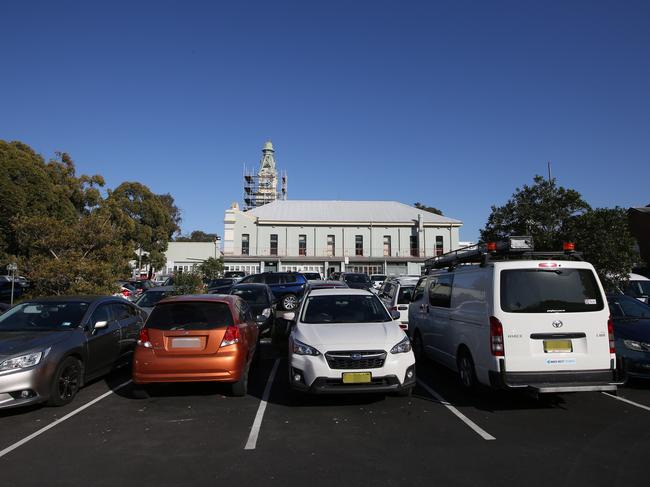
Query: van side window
x=440 y=291
x=419 y=289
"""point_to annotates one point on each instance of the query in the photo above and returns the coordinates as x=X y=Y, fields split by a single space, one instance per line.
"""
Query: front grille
x=353 y=360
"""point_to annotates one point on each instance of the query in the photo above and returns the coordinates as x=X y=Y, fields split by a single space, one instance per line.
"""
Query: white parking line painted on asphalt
x=477 y=429
x=20 y=443
x=619 y=398
x=257 y=423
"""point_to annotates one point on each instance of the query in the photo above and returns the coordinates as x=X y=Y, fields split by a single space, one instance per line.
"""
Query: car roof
x=205 y=298
x=638 y=277
x=250 y=285
x=160 y=288
x=337 y=291
x=73 y=299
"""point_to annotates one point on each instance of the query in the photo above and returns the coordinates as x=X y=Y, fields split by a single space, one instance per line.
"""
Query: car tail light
x=496 y=337
x=569 y=246
x=126 y=293
x=610 y=332
x=491 y=246
x=231 y=336
x=143 y=338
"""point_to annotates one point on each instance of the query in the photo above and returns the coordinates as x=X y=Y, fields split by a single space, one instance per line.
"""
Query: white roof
x=344 y=211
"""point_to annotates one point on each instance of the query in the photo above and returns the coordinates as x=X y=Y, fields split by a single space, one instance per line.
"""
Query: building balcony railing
x=377 y=253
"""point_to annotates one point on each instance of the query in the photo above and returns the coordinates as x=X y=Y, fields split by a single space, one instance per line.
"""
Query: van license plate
x=558 y=346
x=357 y=377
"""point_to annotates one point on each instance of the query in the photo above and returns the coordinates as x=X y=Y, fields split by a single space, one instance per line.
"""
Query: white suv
x=396 y=293
x=344 y=340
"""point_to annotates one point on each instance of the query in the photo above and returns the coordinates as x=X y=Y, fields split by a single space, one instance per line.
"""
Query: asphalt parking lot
x=195 y=434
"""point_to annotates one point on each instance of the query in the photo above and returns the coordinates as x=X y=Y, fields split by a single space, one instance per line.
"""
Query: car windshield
x=35 y=316
x=190 y=316
x=252 y=295
x=357 y=278
x=550 y=291
x=621 y=307
x=638 y=288
x=344 y=309
x=219 y=282
x=150 y=298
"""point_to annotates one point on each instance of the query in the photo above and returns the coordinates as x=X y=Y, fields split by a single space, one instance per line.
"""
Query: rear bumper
x=559 y=381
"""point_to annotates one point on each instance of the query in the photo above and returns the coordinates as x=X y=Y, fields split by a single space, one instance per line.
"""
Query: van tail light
x=231 y=336
x=610 y=332
x=496 y=337
x=143 y=338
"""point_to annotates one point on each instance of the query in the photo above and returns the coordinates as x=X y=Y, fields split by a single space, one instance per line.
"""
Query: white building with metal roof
x=333 y=236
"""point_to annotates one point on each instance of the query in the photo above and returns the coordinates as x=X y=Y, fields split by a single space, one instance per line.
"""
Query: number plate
x=186 y=342
x=558 y=346
x=357 y=377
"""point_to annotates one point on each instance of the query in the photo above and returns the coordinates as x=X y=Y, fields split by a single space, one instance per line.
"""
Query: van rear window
x=190 y=316
x=550 y=291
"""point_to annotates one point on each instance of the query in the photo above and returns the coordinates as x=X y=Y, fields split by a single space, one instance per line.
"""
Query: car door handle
x=424 y=307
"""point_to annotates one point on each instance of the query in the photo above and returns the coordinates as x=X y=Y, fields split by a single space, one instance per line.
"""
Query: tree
x=151 y=219
x=187 y=283
x=603 y=236
x=197 y=236
x=211 y=268
x=430 y=209
x=542 y=210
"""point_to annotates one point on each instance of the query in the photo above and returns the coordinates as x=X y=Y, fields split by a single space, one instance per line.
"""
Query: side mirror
x=395 y=314
x=101 y=324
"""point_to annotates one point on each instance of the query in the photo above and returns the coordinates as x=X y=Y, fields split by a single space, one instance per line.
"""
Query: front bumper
x=32 y=380
x=557 y=382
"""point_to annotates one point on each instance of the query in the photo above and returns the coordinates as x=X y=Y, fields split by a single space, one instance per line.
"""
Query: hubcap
x=290 y=302
x=465 y=372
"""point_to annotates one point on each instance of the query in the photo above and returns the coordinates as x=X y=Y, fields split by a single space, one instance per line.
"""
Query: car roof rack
x=514 y=248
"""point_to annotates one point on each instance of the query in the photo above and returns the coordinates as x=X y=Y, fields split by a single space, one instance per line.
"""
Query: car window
x=419 y=289
x=388 y=290
x=405 y=293
x=633 y=308
x=150 y=298
x=35 y=316
x=121 y=311
x=550 y=291
x=440 y=291
x=102 y=313
x=290 y=278
x=251 y=295
x=273 y=279
x=344 y=309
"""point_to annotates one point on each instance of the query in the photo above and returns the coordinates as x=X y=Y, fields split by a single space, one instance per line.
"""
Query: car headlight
x=266 y=313
x=636 y=346
x=22 y=362
x=404 y=346
x=300 y=348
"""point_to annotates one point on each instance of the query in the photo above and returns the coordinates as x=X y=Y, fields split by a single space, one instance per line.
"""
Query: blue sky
x=451 y=103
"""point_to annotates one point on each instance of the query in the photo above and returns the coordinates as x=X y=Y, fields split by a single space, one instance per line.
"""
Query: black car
x=287 y=287
x=631 y=320
x=50 y=347
x=222 y=286
x=356 y=280
x=261 y=301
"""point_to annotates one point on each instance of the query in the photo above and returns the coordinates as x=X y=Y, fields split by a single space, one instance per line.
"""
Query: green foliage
x=188 y=283
x=211 y=268
x=430 y=209
x=603 y=236
x=542 y=210
x=197 y=236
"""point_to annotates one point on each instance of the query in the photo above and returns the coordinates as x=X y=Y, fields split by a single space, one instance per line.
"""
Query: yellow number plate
x=357 y=377
x=558 y=346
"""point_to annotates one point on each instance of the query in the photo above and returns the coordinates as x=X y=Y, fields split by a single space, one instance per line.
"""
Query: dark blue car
x=632 y=332
x=287 y=287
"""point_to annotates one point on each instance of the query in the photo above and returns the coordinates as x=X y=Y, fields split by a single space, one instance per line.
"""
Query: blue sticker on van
x=561 y=361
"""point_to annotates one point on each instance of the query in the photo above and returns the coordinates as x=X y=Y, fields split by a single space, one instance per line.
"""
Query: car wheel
x=466 y=371
x=240 y=387
x=289 y=302
x=67 y=381
x=416 y=345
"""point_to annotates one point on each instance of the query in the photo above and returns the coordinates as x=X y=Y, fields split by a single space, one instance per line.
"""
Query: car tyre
x=289 y=302
x=466 y=370
x=240 y=388
x=67 y=381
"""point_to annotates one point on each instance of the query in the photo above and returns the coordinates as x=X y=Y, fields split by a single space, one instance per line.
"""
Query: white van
x=515 y=323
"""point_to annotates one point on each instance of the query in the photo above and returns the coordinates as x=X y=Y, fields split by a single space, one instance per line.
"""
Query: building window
x=245 y=244
x=358 y=245
x=302 y=244
x=387 y=249
x=415 y=249
x=439 y=245
x=331 y=242
x=274 y=244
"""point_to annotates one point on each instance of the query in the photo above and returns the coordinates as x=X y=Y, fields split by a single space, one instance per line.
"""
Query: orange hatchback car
x=199 y=338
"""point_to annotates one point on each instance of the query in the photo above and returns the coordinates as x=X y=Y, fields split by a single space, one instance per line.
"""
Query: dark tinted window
x=405 y=294
x=219 y=282
x=150 y=298
x=121 y=311
x=290 y=278
x=356 y=278
x=273 y=279
x=252 y=295
x=344 y=309
x=419 y=290
x=549 y=291
x=440 y=291
x=190 y=316
x=630 y=307
x=43 y=316
x=102 y=313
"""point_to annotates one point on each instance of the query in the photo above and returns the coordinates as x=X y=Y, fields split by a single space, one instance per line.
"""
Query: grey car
x=151 y=296
x=50 y=347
